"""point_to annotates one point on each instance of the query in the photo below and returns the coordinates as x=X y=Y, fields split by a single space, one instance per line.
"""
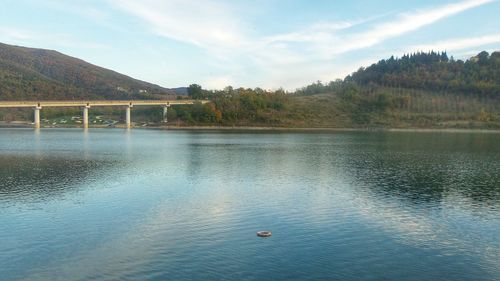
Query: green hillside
x=419 y=90
x=480 y=75
x=423 y=90
x=27 y=73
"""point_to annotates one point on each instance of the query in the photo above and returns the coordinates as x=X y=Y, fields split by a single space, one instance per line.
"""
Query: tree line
x=421 y=89
x=430 y=84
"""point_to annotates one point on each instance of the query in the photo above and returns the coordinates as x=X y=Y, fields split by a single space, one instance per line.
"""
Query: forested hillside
x=419 y=90
x=426 y=90
x=27 y=73
x=432 y=71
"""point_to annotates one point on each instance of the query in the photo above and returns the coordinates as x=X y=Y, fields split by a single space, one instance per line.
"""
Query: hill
x=419 y=90
x=423 y=90
x=28 y=73
x=480 y=75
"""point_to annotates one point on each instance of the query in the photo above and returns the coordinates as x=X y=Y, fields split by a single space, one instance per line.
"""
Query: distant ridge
x=29 y=73
x=181 y=91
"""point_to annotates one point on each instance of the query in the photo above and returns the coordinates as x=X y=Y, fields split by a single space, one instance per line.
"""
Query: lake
x=112 y=204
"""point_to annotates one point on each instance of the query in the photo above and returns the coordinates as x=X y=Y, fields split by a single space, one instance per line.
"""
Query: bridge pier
x=37 y=117
x=127 y=115
x=86 y=116
x=86 y=104
x=165 y=111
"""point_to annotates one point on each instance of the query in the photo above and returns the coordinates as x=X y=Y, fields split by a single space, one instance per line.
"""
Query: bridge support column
x=165 y=112
x=127 y=116
x=37 y=117
x=86 y=117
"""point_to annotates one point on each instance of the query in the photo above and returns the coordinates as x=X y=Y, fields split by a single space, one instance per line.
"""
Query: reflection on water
x=437 y=164
x=39 y=179
x=145 y=204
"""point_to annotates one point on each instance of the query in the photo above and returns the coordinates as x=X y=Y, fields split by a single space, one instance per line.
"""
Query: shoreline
x=317 y=129
x=267 y=129
x=312 y=129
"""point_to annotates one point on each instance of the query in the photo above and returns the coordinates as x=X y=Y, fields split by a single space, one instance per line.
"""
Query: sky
x=258 y=43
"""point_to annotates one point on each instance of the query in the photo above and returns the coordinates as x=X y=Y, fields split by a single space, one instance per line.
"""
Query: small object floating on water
x=264 y=233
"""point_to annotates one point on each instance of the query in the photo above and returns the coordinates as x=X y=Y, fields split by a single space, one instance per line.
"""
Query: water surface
x=111 y=204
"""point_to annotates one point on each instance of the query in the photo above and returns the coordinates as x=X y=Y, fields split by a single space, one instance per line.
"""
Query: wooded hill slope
x=38 y=74
x=480 y=75
x=417 y=90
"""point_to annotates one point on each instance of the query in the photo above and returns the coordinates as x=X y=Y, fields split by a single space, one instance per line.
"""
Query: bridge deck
x=95 y=103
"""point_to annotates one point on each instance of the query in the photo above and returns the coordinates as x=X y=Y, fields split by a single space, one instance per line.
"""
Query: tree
x=483 y=57
x=195 y=91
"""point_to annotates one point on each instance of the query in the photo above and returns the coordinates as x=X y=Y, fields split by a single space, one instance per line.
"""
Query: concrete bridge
x=86 y=105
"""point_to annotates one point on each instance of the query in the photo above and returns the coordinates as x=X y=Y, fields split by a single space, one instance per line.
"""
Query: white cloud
x=315 y=32
x=292 y=57
x=458 y=44
x=44 y=40
x=207 y=24
x=218 y=82
x=16 y=34
x=405 y=23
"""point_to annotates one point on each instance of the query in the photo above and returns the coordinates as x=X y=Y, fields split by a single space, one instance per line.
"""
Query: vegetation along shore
x=417 y=91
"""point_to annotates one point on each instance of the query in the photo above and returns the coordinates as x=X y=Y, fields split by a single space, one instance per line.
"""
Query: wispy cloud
x=207 y=24
x=78 y=8
x=316 y=32
x=405 y=23
x=458 y=44
x=215 y=27
x=43 y=39
x=218 y=82
x=15 y=34
x=237 y=42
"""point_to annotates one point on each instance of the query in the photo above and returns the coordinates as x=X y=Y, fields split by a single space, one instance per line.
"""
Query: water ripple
x=161 y=205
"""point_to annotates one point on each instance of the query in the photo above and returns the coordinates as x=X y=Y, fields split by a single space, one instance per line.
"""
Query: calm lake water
x=111 y=204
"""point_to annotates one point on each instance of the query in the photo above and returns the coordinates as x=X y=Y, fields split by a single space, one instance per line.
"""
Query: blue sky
x=268 y=44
